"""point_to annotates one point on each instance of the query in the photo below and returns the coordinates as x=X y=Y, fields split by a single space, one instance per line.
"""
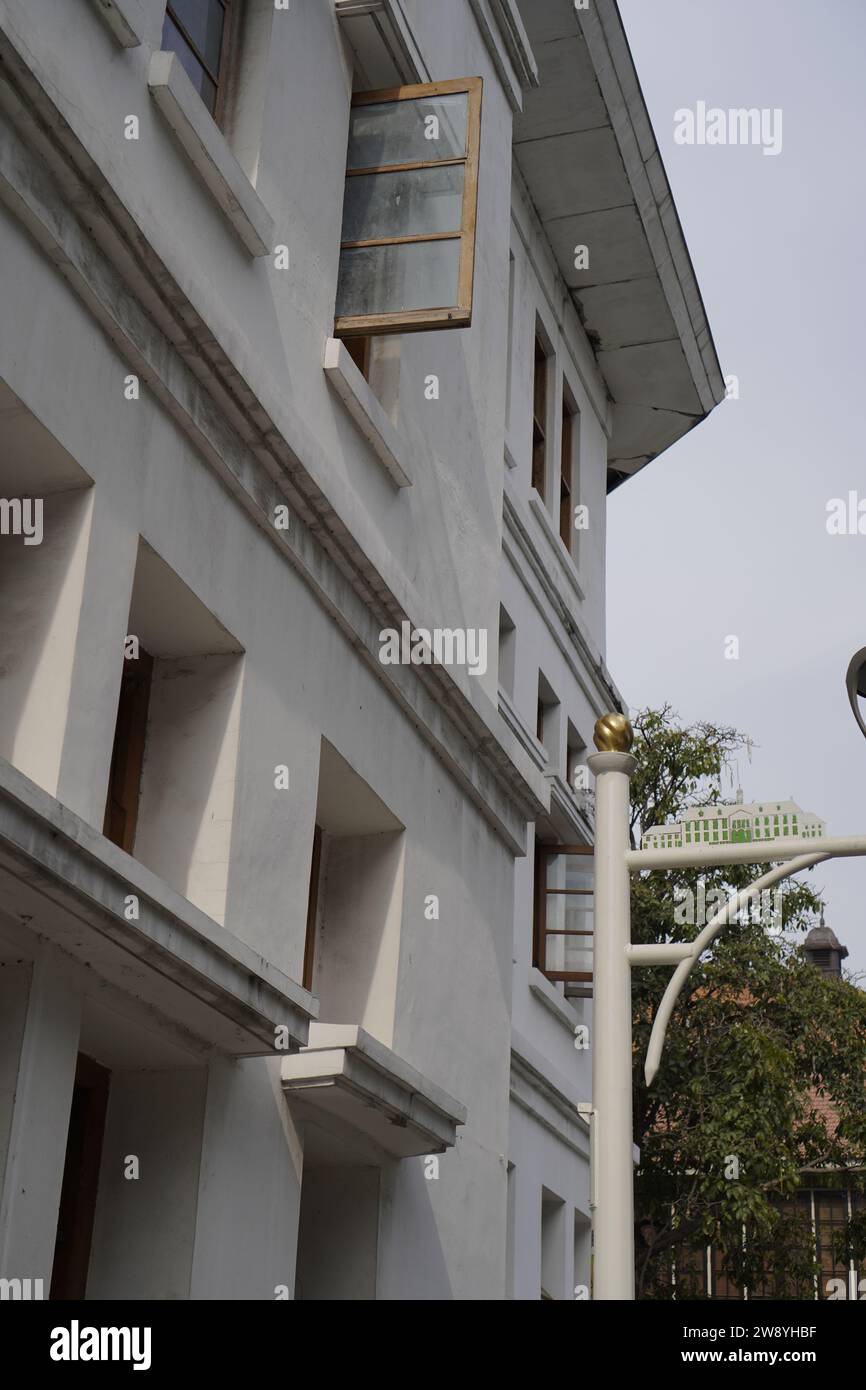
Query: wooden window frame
x=566 y=475
x=127 y=758
x=312 y=910
x=359 y=349
x=540 y=374
x=451 y=316
x=80 y=1183
x=230 y=10
x=540 y=933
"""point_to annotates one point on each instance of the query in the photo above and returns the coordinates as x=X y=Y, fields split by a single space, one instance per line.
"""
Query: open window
x=408 y=243
x=564 y=889
x=171 y=789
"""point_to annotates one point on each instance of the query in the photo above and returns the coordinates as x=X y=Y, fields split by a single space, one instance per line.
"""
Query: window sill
x=365 y=409
x=567 y=815
x=554 y=540
x=555 y=1003
x=124 y=19
x=207 y=150
x=345 y=1075
x=530 y=744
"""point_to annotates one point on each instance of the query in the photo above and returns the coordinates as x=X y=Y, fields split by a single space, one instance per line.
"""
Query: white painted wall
x=358 y=940
x=14 y=991
x=184 y=828
x=40 y=587
x=338 y=1236
x=249 y=1186
x=145 y=1227
x=37 y=1140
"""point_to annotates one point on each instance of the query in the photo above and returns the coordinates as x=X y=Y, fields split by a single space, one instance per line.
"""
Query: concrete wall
x=339 y=1233
x=359 y=932
x=554 y=598
x=249 y=1187
x=188 y=780
x=41 y=588
x=145 y=1224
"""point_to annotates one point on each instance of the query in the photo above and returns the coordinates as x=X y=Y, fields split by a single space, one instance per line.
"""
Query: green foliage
x=758 y=1038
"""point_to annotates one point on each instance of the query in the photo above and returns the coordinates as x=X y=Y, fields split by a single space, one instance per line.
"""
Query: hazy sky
x=726 y=533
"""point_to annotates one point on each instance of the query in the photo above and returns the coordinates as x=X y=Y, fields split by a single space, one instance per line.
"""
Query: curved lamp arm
x=853 y=680
x=700 y=944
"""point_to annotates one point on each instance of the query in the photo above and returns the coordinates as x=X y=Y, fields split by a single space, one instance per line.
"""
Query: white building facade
x=293 y=1000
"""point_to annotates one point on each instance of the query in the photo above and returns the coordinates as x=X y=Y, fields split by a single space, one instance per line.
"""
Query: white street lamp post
x=614 y=957
x=611 y=1143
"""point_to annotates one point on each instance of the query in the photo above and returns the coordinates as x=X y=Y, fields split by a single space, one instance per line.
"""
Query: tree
x=758 y=1039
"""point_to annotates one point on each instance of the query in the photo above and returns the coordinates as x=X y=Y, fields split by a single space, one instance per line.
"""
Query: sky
x=726 y=534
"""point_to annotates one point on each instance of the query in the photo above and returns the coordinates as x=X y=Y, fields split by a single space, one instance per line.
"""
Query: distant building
x=734 y=824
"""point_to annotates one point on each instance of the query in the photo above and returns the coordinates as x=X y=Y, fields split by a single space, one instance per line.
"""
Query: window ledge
x=554 y=540
x=521 y=731
x=555 y=1003
x=567 y=815
x=207 y=150
x=124 y=18
x=349 y=1076
x=367 y=412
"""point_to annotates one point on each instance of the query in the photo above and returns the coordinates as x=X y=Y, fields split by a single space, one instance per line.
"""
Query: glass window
x=408 y=238
x=196 y=30
x=564 y=912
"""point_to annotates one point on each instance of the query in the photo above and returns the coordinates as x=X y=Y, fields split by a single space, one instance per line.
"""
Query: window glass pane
x=569 y=953
x=406 y=203
x=174 y=42
x=401 y=132
x=395 y=279
x=203 y=21
x=570 y=871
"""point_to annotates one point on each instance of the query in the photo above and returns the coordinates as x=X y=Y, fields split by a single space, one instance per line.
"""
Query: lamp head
x=855 y=684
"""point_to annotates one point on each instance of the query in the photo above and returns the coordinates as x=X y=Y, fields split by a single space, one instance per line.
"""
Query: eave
x=587 y=152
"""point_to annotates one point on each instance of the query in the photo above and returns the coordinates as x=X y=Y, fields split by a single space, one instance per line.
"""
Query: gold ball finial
x=613 y=734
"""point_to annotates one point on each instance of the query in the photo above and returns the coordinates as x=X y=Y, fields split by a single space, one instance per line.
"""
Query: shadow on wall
x=41 y=586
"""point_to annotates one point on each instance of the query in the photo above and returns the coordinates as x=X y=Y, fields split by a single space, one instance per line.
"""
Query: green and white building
x=736 y=823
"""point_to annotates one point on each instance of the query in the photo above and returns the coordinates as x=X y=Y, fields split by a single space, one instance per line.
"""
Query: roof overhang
x=586 y=150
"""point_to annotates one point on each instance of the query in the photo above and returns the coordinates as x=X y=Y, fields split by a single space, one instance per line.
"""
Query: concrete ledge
x=566 y=817
x=547 y=1097
x=67 y=883
x=208 y=152
x=520 y=546
x=558 y=551
x=534 y=750
x=508 y=45
x=123 y=18
x=365 y=409
x=346 y=1074
x=549 y=996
